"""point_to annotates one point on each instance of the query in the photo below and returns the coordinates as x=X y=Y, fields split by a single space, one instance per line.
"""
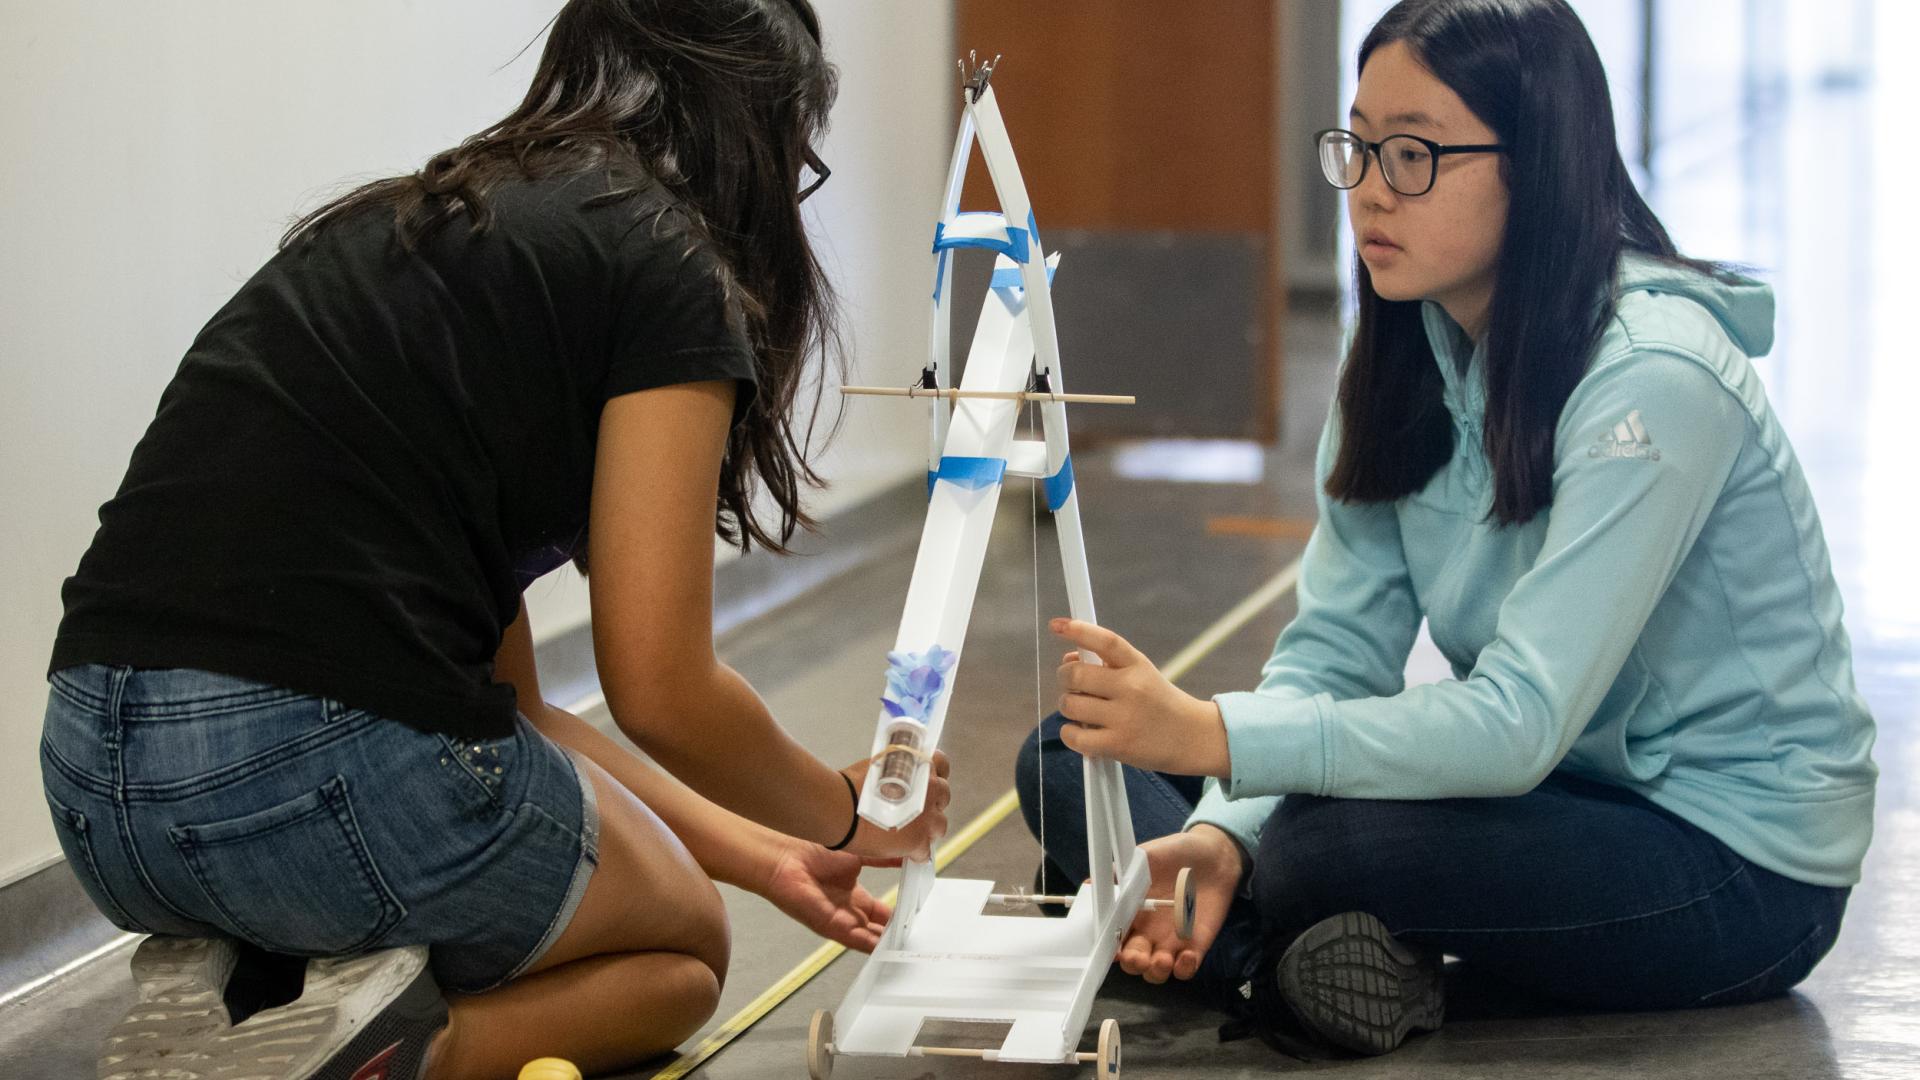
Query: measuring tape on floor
x=956 y=844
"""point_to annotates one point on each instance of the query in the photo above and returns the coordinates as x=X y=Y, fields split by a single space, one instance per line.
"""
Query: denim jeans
x=1577 y=892
x=198 y=805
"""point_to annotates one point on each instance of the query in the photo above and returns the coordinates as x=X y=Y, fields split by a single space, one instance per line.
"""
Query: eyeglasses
x=1409 y=162
x=811 y=163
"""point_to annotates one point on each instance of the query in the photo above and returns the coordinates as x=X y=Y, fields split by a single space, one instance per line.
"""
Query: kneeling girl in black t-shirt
x=294 y=707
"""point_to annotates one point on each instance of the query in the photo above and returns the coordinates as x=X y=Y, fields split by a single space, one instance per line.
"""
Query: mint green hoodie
x=1669 y=625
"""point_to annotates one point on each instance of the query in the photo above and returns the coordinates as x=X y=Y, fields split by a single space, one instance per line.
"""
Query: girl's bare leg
x=634 y=974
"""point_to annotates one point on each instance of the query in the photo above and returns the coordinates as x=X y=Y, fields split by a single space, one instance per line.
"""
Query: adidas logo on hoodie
x=1628 y=439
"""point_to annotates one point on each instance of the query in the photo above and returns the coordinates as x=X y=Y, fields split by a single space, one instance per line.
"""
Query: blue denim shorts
x=196 y=804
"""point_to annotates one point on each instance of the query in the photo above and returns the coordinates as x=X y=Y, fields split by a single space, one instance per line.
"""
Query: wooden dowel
x=1030 y=898
x=996 y=395
x=1082 y=1056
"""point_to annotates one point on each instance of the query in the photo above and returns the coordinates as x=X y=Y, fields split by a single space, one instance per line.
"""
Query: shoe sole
x=180 y=982
x=1353 y=985
x=180 y=1030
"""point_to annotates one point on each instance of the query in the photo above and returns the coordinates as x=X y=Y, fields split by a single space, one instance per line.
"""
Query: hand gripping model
x=942 y=957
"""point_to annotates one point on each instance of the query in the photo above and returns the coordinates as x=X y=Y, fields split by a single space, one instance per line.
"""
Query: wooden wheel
x=1184 y=903
x=1109 y=1049
x=819 y=1038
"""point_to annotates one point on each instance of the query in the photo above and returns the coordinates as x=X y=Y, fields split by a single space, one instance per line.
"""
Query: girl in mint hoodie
x=1649 y=783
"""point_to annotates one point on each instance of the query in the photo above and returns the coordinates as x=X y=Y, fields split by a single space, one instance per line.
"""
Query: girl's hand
x=821 y=891
x=1123 y=709
x=916 y=838
x=1152 y=950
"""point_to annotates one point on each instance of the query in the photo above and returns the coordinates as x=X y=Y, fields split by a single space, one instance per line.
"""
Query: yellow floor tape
x=956 y=844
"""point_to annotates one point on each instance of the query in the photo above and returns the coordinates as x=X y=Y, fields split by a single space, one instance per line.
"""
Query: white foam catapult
x=943 y=957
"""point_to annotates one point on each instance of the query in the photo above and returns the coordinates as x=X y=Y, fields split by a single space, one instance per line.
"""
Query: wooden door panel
x=1141 y=126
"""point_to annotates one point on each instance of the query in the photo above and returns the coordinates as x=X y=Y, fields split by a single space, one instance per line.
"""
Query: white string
x=1039 y=705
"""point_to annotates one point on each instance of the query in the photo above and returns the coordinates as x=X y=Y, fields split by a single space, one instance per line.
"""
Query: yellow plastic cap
x=549 y=1069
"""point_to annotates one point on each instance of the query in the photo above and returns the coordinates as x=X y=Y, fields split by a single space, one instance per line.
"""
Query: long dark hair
x=1529 y=71
x=716 y=101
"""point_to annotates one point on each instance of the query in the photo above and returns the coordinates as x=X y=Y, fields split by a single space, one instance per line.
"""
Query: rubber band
x=900 y=748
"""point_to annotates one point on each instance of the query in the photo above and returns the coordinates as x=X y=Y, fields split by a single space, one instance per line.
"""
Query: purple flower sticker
x=915 y=681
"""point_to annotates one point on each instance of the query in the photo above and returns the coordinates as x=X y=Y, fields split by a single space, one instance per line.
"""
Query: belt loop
x=116 y=729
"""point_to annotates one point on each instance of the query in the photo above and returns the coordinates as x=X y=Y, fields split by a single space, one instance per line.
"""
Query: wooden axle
x=1023 y=899
x=996 y=395
x=821 y=1049
x=1183 y=903
x=1083 y=1057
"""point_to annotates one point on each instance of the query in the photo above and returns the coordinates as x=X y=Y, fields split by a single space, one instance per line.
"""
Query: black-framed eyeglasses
x=1409 y=162
x=810 y=163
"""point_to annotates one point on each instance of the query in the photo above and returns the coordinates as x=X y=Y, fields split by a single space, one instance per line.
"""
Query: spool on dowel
x=1184 y=902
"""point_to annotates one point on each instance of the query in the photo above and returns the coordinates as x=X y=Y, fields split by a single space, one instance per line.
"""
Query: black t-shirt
x=368 y=453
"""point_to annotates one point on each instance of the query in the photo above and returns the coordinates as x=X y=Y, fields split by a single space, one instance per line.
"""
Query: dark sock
x=262 y=980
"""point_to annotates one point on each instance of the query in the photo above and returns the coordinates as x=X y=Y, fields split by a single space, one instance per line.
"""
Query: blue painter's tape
x=1060 y=485
x=931 y=477
x=1008 y=277
x=972 y=473
x=939 y=275
x=1014 y=247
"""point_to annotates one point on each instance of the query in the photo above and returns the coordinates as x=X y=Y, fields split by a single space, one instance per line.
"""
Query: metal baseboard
x=48 y=927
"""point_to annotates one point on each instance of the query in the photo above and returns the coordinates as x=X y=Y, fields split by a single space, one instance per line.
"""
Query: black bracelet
x=855 y=827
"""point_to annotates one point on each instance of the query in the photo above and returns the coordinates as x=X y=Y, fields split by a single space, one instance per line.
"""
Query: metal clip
x=974 y=75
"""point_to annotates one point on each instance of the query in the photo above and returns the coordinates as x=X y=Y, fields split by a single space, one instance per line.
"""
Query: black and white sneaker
x=1350 y=983
x=369 y=1017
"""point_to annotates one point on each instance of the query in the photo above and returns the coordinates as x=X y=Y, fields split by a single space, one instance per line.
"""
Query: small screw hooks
x=974 y=75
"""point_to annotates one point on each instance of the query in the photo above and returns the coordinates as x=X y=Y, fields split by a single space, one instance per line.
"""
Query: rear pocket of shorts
x=296 y=877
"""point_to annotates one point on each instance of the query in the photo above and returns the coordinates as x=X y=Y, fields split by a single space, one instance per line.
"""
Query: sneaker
x=368 y=1017
x=181 y=982
x=1350 y=983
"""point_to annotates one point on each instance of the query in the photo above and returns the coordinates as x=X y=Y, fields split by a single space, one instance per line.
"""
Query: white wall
x=154 y=153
